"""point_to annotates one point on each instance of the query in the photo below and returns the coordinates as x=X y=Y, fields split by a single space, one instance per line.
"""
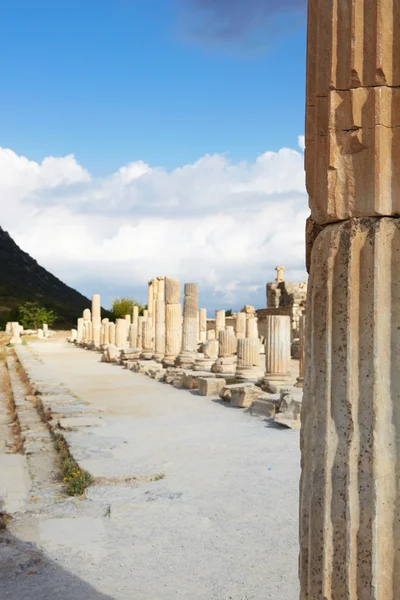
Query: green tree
x=124 y=306
x=229 y=313
x=32 y=316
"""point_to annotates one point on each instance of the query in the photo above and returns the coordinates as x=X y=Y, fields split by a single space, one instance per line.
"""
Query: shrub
x=124 y=306
x=32 y=316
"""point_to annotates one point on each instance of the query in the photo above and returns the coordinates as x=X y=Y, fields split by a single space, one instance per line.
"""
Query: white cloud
x=223 y=224
x=301 y=140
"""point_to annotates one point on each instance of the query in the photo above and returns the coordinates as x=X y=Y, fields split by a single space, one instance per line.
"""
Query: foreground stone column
x=350 y=436
x=15 y=333
x=188 y=352
x=202 y=324
x=219 y=322
x=96 y=319
x=106 y=335
x=173 y=321
x=248 y=359
x=277 y=351
x=241 y=325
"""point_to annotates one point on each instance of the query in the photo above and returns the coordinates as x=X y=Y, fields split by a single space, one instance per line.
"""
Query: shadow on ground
x=27 y=574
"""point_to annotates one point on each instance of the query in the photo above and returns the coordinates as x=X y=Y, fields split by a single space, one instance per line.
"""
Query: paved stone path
x=218 y=522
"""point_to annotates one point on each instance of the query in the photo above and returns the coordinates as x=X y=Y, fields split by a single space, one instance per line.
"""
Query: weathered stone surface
x=240 y=325
x=277 y=349
x=248 y=359
x=210 y=386
x=350 y=419
x=219 y=322
x=352 y=131
x=188 y=352
x=202 y=324
x=191 y=379
x=291 y=416
x=241 y=395
x=263 y=408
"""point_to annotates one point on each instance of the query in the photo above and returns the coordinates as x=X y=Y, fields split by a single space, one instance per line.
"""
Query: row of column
x=174 y=337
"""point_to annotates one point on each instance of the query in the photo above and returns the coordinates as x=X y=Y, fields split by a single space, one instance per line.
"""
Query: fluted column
x=277 y=350
x=241 y=325
x=173 y=320
x=96 y=319
x=147 y=340
x=219 y=322
x=188 y=352
x=350 y=437
x=300 y=379
x=248 y=359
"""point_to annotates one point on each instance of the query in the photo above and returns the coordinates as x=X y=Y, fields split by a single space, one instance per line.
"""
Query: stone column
x=128 y=321
x=45 y=330
x=159 y=344
x=202 y=324
x=219 y=322
x=96 y=319
x=87 y=315
x=300 y=379
x=207 y=357
x=211 y=334
x=139 y=344
x=248 y=359
x=252 y=327
x=15 y=333
x=106 y=337
x=102 y=335
x=241 y=325
x=147 y=340
x=121 y=333
x=80 y=332
x=226 y=361
x=188 y=352
x=74 y=335
x=133 y=330
x=349 y=491
x=173 y=321
x=89 y=332
x=111 y=333
x=277 y=351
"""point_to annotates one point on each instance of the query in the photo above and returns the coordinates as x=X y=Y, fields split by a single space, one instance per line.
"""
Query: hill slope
x=23 y=280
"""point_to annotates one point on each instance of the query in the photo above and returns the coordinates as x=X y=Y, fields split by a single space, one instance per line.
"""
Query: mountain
x=23 y=280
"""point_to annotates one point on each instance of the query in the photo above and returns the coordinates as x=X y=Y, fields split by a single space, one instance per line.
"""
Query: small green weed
x=75 y=479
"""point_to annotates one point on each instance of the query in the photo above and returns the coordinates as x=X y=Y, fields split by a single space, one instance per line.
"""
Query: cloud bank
x=223 y=224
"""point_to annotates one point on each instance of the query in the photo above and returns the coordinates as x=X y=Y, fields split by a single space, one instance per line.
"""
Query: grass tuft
x=75 y=479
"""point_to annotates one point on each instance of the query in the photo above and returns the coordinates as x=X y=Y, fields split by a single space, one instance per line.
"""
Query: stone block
x=291 y=416
x=240 y=394
x=210 y=386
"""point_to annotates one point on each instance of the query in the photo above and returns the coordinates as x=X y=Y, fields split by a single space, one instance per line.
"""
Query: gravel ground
x=219 y=520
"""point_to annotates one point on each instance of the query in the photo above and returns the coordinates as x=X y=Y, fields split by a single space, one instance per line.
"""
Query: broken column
x=277 y=351
x=173 y=321
x=207 y=356
x=106 y=332
x=202 y=324
x=15 y=333
x=226 y=361
x=139 y=343
x=133 y=330
x=349 y=491
x=248 y=359
x=96 y=319
x=188 y=352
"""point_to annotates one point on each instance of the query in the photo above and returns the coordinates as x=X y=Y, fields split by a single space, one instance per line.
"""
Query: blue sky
x=114 y=81
x=155 y=137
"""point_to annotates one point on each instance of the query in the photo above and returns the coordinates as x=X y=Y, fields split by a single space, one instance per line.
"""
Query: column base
x=146 y=355
x=225 y=365
x=248 y=373
x=185 y=360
